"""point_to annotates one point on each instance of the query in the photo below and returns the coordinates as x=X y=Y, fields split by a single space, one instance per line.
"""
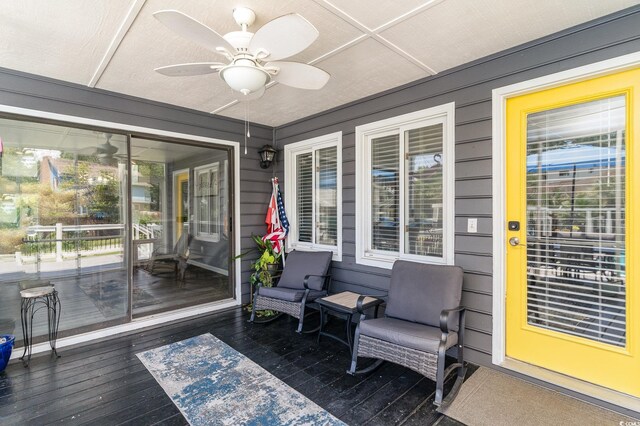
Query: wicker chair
x=305 y=278
x=422 y=320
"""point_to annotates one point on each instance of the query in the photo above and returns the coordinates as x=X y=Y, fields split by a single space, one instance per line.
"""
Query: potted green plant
x=265 y=267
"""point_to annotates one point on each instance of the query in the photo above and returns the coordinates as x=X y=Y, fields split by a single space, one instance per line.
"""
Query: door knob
x=515 y=241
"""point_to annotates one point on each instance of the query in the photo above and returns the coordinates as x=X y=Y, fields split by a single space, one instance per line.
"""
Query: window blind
x=327 y=196
x=385 y=193
x=576 y=280
x=423 y=191
x=304 y=202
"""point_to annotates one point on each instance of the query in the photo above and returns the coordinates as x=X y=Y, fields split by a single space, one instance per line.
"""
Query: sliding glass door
x=122 y=226
x=63 y=197
x=181 y=227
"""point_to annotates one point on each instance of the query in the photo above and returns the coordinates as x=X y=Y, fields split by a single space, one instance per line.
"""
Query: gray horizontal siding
x=469 y=86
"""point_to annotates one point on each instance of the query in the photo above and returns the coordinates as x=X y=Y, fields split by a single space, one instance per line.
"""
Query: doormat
x=490 y=397
x=110 y=297
x=213 y=384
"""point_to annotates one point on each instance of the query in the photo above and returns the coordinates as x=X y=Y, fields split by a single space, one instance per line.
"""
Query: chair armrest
x=445 y=316
x=306 y=279
x=360 y=301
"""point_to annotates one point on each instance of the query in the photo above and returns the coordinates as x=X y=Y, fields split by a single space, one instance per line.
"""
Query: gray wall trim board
x=470 y=87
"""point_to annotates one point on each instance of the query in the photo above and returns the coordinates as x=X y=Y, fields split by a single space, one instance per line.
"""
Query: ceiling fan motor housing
x=244 y=16
x=239 y=39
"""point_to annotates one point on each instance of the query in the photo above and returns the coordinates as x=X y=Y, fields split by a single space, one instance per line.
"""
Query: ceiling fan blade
x=106 y=149
x=183 y=70
x=302 y=76
x=193 y=30
x=251 y=96
x=283 y=37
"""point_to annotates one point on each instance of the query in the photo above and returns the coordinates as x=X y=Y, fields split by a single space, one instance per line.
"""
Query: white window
x=313 y=194
x=207 y=202
x=405 y=188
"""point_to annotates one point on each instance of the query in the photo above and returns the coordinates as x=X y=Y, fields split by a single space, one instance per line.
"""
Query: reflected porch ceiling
x=367 y=46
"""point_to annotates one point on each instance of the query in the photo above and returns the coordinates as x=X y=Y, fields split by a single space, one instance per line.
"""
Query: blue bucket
x=5 y=350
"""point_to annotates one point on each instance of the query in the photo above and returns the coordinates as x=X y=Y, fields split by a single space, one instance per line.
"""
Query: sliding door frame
x=129 y=234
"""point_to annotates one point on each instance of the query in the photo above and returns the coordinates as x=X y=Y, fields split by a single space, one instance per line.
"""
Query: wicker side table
x=343 y=305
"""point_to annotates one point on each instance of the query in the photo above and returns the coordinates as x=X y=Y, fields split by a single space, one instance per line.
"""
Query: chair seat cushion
x=289 y=294
x=405 y=333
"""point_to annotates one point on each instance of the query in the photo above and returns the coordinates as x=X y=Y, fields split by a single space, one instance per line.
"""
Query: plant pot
x=5 y=350
x=272 y=268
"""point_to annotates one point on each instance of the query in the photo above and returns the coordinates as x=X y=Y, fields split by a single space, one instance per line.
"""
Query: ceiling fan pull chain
x=246 y=128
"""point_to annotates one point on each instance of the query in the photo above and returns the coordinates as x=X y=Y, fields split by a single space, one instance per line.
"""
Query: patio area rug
x=490 y=397
x=213 y=384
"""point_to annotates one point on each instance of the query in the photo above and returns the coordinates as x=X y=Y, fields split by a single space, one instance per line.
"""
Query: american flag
x=283 y=215
x=277 y=228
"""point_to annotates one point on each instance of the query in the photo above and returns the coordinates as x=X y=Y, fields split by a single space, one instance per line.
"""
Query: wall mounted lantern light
x=267 y=156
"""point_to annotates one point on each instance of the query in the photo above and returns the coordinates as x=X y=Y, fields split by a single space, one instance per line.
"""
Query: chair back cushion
x=419 y=292
x=302 y=263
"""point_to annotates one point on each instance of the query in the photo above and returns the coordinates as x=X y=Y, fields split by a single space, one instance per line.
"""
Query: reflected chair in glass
x=304 y=279
x=175 y=259
x=423 y=319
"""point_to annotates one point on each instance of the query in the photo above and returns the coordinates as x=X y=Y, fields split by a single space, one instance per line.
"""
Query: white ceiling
x=366 y=46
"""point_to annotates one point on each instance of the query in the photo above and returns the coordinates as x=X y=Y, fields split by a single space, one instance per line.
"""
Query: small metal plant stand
x=34 y=299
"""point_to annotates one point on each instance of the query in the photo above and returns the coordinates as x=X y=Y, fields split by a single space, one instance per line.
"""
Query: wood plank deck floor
x=104 y=383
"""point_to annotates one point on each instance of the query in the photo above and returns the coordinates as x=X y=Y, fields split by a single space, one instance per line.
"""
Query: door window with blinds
x=313 y=194
x=209 y=214
x=405 y=183
x=576 y=220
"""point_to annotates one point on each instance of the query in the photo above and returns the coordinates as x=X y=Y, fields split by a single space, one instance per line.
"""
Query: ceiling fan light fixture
x=245 y=79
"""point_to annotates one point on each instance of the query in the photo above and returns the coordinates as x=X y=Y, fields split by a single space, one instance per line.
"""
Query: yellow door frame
x=178 y=179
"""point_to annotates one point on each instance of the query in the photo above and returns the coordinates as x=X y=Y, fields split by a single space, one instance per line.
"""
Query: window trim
x=213 y=236
x=444 y=114
x=290 y=188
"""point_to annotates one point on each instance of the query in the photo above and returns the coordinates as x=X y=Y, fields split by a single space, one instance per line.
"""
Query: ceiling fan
x=253 y=59
x=105 y=152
